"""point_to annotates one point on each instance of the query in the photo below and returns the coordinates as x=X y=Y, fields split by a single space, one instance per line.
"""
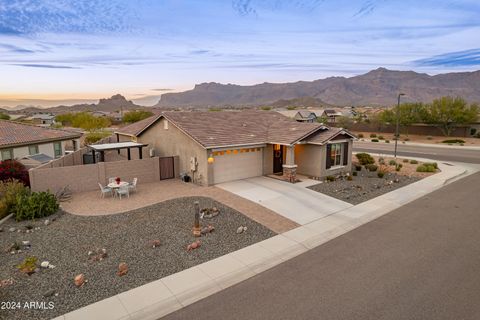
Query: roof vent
x=244 y=124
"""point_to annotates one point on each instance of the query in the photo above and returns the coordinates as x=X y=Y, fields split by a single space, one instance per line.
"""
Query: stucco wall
x=45 y=148
x=173 y=142
x=86 y=177
x=268 y=159
x=309 y=159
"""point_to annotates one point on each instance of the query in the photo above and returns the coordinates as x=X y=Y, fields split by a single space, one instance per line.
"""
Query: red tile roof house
x=216 y=147
x=19 y=140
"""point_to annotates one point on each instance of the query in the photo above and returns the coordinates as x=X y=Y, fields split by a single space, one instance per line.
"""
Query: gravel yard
x=365 y=186
x=66 y=241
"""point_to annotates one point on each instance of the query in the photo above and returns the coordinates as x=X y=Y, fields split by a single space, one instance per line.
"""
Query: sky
x=69 y=51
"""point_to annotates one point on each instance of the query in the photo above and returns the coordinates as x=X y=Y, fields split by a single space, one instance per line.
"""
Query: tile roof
x=230 y=128
x=322 y=136
x=16 y=134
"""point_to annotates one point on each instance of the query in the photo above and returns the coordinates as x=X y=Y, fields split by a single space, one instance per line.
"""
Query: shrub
x=12 y=169
x=381 y=160
x=429 y=137
x=424 y=168
x=431 y=164
x=371 y=167
x=358 y=167
x=374 y=140
x=392 y=162
x=398 y=167
x=35 y=205
x=135 y=116
x=349 y=178
x=360 y=135
x=406 y=139
x=28 y=265
x=354 y=173
x=373 y=135
x=413 y=162
x=380 y=138
x=266 y=108
x=330 y=178
x=365 y=158
x=9 y=190
x=453 y=141
x=214 y=109
x=380 y=174
x=291 y=108
x=93 y=137
x=387 y=141
x=405 y=160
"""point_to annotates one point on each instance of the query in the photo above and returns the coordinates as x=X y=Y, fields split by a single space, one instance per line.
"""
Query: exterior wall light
x=211 y=159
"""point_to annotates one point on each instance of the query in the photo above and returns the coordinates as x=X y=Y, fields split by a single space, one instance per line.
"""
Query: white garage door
x=237 y=164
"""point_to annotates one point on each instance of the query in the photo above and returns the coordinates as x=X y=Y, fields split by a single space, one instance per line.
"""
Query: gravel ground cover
x=66 y=241
x=365 y=186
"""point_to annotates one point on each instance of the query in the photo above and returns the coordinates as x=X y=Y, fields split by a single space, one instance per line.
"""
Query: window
x=7 y=154
x=57 y=148
x=336 y=154
x=33 y=150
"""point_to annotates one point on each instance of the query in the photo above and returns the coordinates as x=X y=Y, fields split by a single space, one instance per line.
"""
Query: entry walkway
x=292 y=201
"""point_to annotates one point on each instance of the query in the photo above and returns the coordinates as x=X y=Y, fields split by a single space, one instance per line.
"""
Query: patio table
x=115 y=186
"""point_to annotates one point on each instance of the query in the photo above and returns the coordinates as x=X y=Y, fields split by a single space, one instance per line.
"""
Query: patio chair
x=111 y=180
x=133 y=185
x=105 y=190
x=122 y=191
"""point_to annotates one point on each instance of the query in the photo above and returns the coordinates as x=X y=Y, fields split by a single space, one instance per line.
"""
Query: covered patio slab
x=90 y=203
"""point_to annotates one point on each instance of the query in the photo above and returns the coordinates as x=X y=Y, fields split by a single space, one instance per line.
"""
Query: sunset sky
x=72 y=50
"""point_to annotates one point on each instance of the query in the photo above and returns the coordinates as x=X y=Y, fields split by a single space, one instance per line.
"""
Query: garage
x=237 y=164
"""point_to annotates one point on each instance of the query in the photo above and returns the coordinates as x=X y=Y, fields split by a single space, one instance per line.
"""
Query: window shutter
x=345 y=153
x=328 y=159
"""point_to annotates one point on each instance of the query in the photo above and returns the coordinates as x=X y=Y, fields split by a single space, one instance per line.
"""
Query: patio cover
x=101 y=148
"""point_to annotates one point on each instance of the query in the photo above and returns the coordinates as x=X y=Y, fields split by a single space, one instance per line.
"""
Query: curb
x=169 y=294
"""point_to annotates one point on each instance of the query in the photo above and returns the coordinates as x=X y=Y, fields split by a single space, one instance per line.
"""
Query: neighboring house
x=305 y=116
x=43 y=119
x=331 y=115
x=117 y=116
x=32 y=161
x=18 y=140
x=215 y=147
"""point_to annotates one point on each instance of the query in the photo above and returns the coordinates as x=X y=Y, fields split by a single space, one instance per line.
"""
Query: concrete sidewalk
x=418 y=144
x=161 y=297
x=292 y=201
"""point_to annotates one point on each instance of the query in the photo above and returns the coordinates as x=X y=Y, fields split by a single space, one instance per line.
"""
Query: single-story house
x=331 y=115
x=305 y=116
x=215 y=147
x=43 y=119
x=35 y=160
x=18 y=140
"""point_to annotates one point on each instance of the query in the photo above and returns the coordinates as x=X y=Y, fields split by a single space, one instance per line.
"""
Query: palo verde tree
x=408 y=114
x=448 y=112
x=135 y=116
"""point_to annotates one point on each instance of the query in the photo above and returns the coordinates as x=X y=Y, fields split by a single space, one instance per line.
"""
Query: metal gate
x=167 y=168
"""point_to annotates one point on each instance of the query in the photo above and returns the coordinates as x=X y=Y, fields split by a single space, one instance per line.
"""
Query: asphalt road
x=421 y=261
x=437 y=153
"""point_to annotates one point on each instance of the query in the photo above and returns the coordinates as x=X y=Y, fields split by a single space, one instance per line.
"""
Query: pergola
x=101 y=148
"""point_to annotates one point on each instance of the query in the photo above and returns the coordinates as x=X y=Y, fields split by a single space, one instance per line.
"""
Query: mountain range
x=378 y=87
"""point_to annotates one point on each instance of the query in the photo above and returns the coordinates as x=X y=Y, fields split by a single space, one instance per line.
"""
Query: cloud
x=452 y=59
x=161 y=89
x=199 y=52
x=48 y=66
x=15 y=49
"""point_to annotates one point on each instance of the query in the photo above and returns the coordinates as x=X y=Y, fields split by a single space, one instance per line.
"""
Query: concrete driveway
x=292 y=201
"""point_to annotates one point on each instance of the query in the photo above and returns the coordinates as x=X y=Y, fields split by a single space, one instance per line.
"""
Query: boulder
x=79 y=280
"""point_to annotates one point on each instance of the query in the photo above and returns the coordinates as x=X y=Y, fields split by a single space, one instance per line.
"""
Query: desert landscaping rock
x=365 y=186
x=67 y=242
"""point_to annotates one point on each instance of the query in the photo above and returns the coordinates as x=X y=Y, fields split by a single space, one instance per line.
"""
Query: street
x=436 y=153
x=420 y=261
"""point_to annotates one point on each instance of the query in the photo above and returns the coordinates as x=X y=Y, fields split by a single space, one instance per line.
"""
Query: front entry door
x=277 y=158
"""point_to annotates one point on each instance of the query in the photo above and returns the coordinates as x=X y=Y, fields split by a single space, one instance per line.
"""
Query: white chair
x=111 y=180
x=105 y=190
x=122 y=191
x=133 y=185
